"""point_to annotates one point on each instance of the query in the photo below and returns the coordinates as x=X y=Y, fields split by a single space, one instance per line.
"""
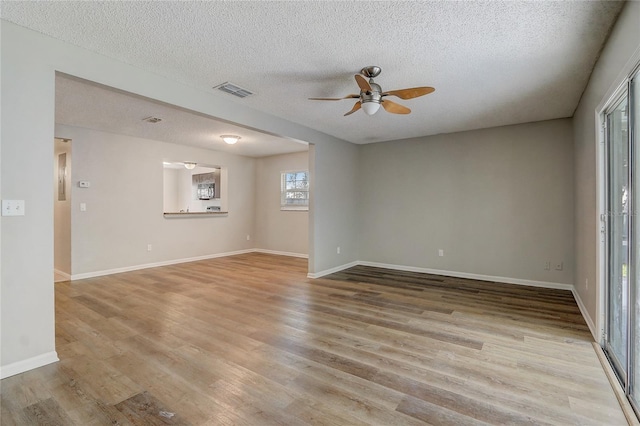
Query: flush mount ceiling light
x=189 y=165
x=230 y=139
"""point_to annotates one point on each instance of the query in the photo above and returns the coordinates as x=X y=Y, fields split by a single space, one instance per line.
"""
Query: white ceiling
x=492 y=63
x=84 y=104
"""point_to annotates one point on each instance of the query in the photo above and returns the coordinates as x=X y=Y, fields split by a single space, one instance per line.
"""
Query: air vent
x=152 y=119
x=233 y=89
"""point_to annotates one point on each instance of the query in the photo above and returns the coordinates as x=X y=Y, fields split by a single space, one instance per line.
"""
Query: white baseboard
x=28 y=364
x=62 y=274
x=183 y=260
x=506 y=280
x=585 y=315
x=156 y=264
x=320 y=274
x=281 y=253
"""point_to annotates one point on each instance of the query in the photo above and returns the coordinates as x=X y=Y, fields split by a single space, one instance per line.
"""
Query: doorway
x=62 y=209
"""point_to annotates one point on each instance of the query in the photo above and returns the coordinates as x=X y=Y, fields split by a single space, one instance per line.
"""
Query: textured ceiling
x=492 y=63
x=84 y=104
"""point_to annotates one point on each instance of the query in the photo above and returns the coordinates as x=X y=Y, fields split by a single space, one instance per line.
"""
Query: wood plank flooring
x=249 y=340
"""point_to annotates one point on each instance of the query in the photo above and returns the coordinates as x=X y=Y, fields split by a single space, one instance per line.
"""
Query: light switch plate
x=12 y=207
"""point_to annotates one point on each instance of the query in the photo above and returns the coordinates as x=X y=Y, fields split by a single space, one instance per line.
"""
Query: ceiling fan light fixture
x=230 y=139
x=370 y=107
x=189 y=165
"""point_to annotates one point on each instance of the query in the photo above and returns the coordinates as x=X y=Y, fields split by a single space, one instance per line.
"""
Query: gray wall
x=621 y=45
x=275 y=229
x=28 y=62
x=498 y=201
x=125 y=203
x=334 y=179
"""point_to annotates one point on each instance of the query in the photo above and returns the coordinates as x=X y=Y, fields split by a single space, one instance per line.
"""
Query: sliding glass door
x=618 y=234
x=622 y=331
x=634 y=126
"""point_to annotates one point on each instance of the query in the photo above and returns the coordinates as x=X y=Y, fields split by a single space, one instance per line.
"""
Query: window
x=294 y=190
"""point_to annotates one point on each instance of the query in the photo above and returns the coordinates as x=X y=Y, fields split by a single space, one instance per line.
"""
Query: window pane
x=295 y=189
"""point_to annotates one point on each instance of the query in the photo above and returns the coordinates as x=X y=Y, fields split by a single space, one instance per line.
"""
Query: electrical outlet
x=586 y=283
x=338 y=250
x=149 y=247
x=547 y=266
x=248 y=237
x=558 y=266
x=440 y=252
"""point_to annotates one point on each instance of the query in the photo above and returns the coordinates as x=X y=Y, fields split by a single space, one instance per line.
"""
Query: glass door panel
x=634 y=384
x=618 y=236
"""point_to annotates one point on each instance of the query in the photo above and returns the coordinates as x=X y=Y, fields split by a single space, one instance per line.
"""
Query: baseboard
x=506 y=280
x=625 y=405
x=585 y=315
x=28 y=364
x=156 y=264
x=281 y=253
x=62 y=274
x=320 y=274
x=479 y=277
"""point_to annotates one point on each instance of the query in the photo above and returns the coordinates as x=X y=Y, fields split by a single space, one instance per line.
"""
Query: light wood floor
x=249 y=340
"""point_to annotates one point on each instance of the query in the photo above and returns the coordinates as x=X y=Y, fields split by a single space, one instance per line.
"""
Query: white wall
x=277 y=230
x=170 y=194
x=125 y=203
x=498 y=201
x=620 y=47
x=27 y=311
x=28 y=63
x=62 y=212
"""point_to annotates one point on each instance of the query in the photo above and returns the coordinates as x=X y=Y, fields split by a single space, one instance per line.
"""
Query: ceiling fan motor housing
x=375 y=95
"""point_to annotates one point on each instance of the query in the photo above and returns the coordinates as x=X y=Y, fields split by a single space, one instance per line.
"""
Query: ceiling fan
x=371 y=95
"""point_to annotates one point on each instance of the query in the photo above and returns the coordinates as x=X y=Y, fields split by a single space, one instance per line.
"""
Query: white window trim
x=292 y=207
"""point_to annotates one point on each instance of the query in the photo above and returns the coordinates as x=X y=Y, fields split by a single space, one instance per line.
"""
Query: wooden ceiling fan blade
x=394 y=108
x=354 y=109
x=336 y=99
x=411 y=93
x=363 y=84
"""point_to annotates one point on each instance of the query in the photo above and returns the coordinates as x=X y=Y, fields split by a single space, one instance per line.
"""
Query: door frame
x=614 y=94
x=620 y=84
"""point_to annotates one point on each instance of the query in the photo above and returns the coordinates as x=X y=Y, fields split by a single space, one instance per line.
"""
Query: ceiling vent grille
x=234 y=90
